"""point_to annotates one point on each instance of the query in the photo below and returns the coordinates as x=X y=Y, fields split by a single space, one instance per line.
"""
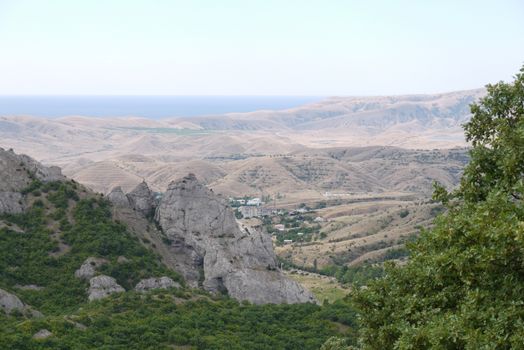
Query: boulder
x=206 y=238
x=156 y=283
x=42 y=334
x=88 y=268
x=10 y=302
x=102 y=286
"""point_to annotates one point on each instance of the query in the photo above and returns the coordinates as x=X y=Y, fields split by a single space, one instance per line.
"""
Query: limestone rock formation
x=118 y=198
x=88 y=268
x=102 y=286
x=42 y=334
x=206 y=239
x=16 y=173
x=18 y=170
x=10 y=302
x=11 y=202
x=156 y=283
x=141 y=199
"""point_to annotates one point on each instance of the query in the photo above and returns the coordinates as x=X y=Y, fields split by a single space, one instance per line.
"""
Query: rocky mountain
x=211 y=249
x=198 y=235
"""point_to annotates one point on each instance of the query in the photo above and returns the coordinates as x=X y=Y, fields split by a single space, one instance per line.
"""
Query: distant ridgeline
x=81 y=271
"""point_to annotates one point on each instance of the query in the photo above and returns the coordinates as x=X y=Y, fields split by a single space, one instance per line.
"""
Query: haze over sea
x=155 y=107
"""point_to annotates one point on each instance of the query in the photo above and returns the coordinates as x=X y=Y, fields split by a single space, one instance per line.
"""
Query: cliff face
x=17 y=171
x=141 y=199
x=211 y=249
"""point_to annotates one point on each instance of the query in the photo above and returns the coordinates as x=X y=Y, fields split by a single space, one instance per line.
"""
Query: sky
x=257 y=47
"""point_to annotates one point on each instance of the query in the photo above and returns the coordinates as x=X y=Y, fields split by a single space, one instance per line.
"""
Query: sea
x=154 y=107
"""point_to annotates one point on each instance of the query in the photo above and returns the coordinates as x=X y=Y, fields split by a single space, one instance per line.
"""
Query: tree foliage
x=463 y=287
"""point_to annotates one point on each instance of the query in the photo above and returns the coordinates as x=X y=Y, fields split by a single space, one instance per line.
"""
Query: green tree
x=463 y=287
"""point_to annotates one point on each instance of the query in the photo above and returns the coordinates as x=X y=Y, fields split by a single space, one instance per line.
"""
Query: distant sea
x=154 y=107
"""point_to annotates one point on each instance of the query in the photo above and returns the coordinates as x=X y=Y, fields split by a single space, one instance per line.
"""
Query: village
x=299 y=225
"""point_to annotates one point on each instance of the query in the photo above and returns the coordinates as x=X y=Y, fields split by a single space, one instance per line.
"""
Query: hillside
x=306 y=174
x=80 y=272
x=340 y=144
x=405 y=121
x=372 y=114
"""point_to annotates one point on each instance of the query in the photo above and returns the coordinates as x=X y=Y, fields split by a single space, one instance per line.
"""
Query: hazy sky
x=257 y=47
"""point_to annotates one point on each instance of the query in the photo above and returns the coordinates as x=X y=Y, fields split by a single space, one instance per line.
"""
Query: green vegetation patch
x=158 y=320
x=84 y=228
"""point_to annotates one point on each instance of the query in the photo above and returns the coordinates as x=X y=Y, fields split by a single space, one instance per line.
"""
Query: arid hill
x=312 y=149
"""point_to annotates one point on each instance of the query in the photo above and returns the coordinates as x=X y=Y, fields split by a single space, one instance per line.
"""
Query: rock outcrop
x=11 y=202
x=102 y=286
x=141 y=199
x=156 y=283
x=42 y=334
x=17 y=171
x=212 y=250
x=10 y=303
x=118 y=198
x=88 y=268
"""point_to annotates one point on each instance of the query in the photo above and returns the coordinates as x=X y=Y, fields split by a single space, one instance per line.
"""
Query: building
x=254 y=201
x=280 y=227
x=319 y=219
x=288 y=241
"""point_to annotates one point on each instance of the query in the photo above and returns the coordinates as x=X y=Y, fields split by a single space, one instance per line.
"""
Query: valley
x=365 y=166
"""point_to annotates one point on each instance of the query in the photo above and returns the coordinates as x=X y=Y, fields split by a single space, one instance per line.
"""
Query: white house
x=254 y=201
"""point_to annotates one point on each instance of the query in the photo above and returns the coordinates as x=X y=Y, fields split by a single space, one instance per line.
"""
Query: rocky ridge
x=213 y=252
x=196 y=228
x=209 y=247
x=17 y=171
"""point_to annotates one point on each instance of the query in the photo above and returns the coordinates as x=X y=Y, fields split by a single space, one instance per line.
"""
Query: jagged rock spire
x=212 y=250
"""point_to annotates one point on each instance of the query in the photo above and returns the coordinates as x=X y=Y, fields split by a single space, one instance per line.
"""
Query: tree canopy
x=463 y=287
